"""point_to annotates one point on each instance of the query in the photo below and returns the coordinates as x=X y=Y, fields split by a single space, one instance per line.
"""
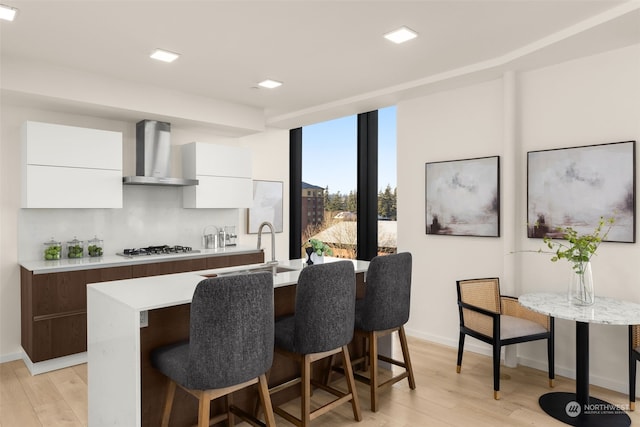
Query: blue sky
x=329 y=152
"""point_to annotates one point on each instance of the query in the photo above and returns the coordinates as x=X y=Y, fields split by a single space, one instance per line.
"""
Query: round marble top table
x=579 y=409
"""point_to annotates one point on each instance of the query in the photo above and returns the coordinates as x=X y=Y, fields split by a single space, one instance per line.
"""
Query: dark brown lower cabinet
x=54 y=305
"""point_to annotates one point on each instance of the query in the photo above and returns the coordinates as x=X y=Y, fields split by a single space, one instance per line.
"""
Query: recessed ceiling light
x=401 y=35
x=164 y=55
x=7 y=13
x=270 y=84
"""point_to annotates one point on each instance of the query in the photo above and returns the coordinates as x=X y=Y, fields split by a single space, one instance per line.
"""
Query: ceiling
x=330 y=55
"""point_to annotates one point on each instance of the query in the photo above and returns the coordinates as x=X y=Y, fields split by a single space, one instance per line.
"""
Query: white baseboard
x=10 y=357
x=470 y=344
x=598 y=380
x=54 y=364
x=481 y=348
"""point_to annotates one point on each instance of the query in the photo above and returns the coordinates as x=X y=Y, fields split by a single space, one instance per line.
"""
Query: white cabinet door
x=223 y=160
x=219 y=192
x=60 y=187
x=70 y=167
x=58 y=145
x=223 y=172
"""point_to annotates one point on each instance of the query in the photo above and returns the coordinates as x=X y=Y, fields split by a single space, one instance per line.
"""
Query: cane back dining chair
x=499 y=321
x=383 y=311
x=322 y=325
x=230 y=347
x=634 y=356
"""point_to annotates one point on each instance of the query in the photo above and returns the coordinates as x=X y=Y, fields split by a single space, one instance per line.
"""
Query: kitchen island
x=54 y=296
x=128 y=318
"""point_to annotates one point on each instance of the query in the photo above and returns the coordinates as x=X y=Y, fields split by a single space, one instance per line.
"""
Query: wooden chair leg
x=373 y=370
x=231 y=422
x=332 y=361
x=256 y=409
x=305 y=373
x=407 y=358
x=204 y=405
x=367 y=357
x=351 y=383
x=168 y=403
x=265 y=399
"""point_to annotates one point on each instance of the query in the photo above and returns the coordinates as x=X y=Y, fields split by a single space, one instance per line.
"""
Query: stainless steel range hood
x=153 y=156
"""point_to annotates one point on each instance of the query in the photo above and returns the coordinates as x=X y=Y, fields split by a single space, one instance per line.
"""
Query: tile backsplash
x=150 y=216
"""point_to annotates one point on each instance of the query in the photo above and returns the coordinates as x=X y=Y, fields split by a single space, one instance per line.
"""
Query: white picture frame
x=267 y=205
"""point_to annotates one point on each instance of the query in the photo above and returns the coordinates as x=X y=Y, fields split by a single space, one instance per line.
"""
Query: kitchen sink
x=278 y=269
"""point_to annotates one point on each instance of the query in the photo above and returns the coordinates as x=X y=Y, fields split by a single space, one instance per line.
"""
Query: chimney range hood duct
x=153 y=156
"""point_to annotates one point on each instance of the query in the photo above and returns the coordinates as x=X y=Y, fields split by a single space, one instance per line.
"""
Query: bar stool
x=321 y=326
x=230 y=346
x=383 y=311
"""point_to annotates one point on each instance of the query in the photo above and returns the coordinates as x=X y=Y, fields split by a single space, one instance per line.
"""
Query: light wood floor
x=442 y=397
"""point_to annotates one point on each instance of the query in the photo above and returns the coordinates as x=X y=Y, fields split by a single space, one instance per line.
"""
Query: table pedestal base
x=598 y=413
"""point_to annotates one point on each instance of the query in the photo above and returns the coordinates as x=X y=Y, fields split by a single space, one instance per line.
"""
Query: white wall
x=270 y=157
x=150 y=215
x=458 y=124
x=587 y=101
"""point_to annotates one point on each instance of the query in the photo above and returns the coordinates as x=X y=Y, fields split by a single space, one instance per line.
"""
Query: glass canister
x=94 y=248
x=75 y=248
x=52 y=250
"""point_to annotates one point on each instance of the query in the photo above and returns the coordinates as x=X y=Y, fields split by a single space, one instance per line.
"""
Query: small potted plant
x=578 y=250
x=316 y=250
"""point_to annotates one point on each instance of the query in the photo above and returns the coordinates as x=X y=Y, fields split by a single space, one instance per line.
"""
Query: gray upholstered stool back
x=231 y=331
x=387 y=293
x=325 y=307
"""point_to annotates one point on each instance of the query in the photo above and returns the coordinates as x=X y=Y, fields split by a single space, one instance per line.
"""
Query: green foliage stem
x=575 y=248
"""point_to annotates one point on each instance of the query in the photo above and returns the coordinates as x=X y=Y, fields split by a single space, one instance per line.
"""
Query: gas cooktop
x=157 y=250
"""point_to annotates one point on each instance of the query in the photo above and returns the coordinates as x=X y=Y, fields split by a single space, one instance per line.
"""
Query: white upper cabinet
x=70 y=167
x=223 y=172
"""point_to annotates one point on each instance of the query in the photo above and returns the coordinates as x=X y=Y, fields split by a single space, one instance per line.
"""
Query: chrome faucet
x=273 y=242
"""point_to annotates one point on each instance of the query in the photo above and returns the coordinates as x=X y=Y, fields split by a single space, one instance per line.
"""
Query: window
x=329 y=163
x=348 y=148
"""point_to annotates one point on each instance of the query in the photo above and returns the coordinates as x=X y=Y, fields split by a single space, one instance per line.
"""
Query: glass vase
x=581 y=291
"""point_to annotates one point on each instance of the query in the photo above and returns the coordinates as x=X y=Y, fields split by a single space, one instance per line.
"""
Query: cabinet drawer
x=108 y=274
x=189 y=265
x=254 y=258
x=57 y=293
x=59 y=336
x=153 y=269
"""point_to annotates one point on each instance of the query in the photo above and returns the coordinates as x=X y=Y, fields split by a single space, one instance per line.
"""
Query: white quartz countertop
x=147 y=293
x=605 y=310
x=86 y=263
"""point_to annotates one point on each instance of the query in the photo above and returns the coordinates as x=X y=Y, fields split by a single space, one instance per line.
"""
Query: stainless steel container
x=210 y=240
x=222 y=239
x=232 y=237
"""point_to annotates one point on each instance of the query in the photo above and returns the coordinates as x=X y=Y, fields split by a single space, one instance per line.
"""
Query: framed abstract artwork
x=463 y=197
x=267 y=205
x=574 y=187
